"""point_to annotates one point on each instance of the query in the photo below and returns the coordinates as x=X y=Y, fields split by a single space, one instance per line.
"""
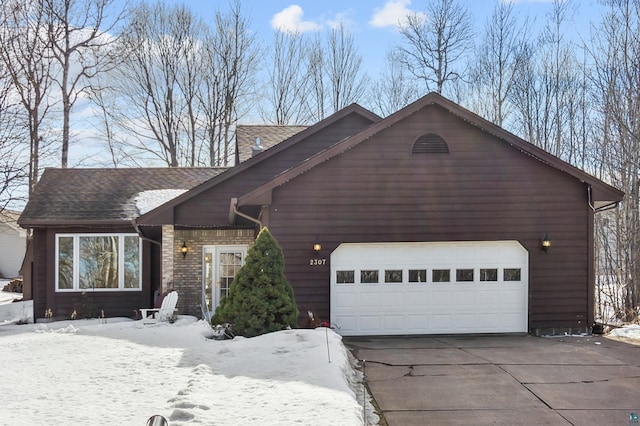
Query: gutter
x=141 y=235
x=233 y=211
x=604 y=208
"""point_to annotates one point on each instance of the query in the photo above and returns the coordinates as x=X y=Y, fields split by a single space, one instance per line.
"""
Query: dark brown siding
x=212 y=207
x=483 y=189
x=87 y=304
x=39 y=272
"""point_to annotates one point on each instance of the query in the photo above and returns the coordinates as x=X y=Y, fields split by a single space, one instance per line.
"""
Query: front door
x=221 y=263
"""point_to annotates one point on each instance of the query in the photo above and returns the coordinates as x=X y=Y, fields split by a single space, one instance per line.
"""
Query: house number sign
x=317 y=262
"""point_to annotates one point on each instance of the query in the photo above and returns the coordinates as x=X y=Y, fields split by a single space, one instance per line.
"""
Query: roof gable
x=601 y=192
x=245 y=167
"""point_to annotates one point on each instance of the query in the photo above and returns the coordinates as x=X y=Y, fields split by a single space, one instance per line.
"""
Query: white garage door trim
x=410 y=302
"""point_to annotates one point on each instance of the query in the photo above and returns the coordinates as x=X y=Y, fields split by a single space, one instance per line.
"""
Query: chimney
x=257 y=148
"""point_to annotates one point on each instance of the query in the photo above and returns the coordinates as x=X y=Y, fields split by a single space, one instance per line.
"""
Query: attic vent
x=430 y=144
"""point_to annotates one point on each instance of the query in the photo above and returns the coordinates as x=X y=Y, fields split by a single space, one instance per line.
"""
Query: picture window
x=98 y=262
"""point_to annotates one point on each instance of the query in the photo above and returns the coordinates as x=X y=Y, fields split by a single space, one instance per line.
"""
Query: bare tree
x=151 y=103
x=547 y=80
x=180 y=89
x=189 y=81
x=317 y=80
x=235 y=58
x=496 y=60
x=77 y=31
x=99 y=94
x=394 y=89
x=433 y=46
x=13 y=131
x=25 y=57
x=346 y=83
x=616 y=55
x=559 y=58
x=288 y=82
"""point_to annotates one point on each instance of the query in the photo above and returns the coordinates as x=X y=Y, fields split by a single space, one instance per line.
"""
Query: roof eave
x=71 y=223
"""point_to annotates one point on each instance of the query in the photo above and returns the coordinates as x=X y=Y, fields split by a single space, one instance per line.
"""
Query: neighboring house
x=429 y=221
x=13 y=244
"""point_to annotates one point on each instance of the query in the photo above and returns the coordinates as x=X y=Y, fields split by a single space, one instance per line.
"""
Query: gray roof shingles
x=269 y=135
x=77 y=196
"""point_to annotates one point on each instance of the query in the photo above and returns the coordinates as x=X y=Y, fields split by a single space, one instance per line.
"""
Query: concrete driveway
x=501 y=380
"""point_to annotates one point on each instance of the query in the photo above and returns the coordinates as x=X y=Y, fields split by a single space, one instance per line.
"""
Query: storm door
x=221 y=264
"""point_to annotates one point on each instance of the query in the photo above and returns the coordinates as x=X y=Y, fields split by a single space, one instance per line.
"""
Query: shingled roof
x=269 y=136
x=106 y=196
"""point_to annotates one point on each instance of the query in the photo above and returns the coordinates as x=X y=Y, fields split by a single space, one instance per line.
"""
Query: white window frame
x=76 y=263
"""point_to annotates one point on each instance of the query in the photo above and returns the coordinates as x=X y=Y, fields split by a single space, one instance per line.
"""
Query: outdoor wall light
x=317 y=247
x=184 y=249
x=546 y=243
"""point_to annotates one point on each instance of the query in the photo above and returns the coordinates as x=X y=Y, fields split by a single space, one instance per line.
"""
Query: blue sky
x=373 y=22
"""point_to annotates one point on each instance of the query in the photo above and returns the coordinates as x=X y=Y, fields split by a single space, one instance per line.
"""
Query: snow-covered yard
x=121 y=372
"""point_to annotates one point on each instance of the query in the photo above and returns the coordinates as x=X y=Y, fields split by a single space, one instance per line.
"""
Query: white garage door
x=429 y=288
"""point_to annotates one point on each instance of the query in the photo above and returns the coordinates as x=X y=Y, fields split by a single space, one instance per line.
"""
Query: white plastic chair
x=164 y=312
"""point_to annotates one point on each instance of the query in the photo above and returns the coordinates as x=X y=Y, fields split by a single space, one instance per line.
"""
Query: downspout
x=234 y=209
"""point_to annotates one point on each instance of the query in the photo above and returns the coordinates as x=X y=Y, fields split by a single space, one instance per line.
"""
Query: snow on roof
x=149 y=200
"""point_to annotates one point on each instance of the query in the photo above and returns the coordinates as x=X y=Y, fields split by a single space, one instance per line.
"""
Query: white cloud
x=393 y=13
x=290 y=19
x=342 y=19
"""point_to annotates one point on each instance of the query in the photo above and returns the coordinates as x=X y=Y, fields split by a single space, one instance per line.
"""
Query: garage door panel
x=416 y=322
x=466 y=297
x=418 y=299
x=441 y=299
x=512 y=296
x=394 y=323
x=486 y=297
x=346 y=301
x=394 y=300
x=369 y=323
x=346 y=322
x=489 y=320
x=465 y=321
x=431 y=307
x=440 y=323
x=369 y=299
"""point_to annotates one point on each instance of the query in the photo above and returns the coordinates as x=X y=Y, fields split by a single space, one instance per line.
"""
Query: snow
x=149 y=200
x=120 y=371
x=630 y=331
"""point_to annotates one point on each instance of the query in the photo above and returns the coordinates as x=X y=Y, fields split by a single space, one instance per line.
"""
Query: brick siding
x=184 y=273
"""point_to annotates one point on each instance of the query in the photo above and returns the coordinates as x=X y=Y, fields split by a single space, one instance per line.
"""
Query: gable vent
x=430 y=144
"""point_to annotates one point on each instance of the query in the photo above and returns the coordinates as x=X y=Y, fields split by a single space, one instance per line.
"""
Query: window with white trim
x=98 y=262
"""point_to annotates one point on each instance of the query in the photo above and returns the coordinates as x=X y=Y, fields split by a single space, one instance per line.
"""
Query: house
x=432 y=220
x=13 y=243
